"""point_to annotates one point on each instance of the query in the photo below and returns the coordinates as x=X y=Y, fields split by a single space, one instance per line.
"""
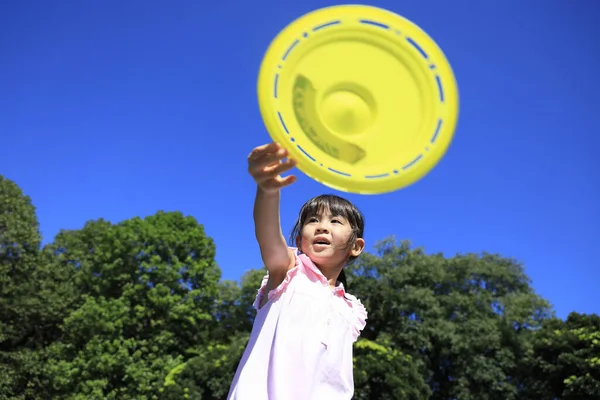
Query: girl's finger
x=288 y=180
x=266 y=161
x=259 y=151
x=280 y=182
x=274 y=173
x=279 y=169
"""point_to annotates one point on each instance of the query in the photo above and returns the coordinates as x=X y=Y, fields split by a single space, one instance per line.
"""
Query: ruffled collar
x=338 y=289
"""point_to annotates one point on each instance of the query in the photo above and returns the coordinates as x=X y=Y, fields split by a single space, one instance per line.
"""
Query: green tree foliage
x=137 y=310
x=564 y=362
x=234 y=308
x=209 y=373
x=206 y=376
x=466 y=319
x=34 y=297
x=19 y=246
x=383 y=371
x=147 y=288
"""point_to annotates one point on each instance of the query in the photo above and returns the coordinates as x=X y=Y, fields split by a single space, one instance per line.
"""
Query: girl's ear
x=299 y=243
x=358 y=247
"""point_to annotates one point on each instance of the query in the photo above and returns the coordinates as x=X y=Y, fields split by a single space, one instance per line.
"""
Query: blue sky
x=118 y=109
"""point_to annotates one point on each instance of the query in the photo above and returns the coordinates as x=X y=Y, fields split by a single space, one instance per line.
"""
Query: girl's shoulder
x=289 y=277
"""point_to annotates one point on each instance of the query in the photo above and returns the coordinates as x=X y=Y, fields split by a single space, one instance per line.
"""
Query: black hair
x=337 y=206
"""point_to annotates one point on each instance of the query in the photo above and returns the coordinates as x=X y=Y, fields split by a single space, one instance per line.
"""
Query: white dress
x=301 y=343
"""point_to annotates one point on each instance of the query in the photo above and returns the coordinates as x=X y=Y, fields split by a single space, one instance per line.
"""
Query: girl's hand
x=265 y=164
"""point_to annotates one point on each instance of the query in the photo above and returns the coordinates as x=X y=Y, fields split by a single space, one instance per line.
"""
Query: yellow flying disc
x=364 y=100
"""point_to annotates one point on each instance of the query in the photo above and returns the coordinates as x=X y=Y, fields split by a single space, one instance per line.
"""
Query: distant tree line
x=137 y=310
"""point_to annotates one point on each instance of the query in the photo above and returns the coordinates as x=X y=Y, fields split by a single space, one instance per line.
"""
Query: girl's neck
x=331 y=273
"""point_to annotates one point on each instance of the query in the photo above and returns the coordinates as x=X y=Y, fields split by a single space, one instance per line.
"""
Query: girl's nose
x=321 y=228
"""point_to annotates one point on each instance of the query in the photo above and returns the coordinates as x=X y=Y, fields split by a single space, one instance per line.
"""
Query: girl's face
x=325 y=240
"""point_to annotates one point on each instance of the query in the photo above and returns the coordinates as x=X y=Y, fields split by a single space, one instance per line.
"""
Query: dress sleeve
x=282 y=286
x=360 y=316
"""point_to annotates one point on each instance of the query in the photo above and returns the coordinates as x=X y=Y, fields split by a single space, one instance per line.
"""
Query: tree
x=466 y=318
x=208 y=375
x=19 y=245
x=234 y=309
x=135 y=310
x=564 y=362
x=148 y=287
x=383 y=371
x=33 y=297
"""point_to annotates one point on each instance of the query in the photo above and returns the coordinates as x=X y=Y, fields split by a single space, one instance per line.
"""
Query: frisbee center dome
x=345 y=112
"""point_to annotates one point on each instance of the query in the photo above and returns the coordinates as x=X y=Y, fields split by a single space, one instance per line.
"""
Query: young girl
x=301 y=342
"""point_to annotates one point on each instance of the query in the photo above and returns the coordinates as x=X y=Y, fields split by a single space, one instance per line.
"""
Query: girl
x=301 y=342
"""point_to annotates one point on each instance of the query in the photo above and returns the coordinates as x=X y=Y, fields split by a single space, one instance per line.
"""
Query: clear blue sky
x=118 y=109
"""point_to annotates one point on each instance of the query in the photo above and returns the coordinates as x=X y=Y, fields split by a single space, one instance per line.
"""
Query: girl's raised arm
x=275 y=253
x=265 y=164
